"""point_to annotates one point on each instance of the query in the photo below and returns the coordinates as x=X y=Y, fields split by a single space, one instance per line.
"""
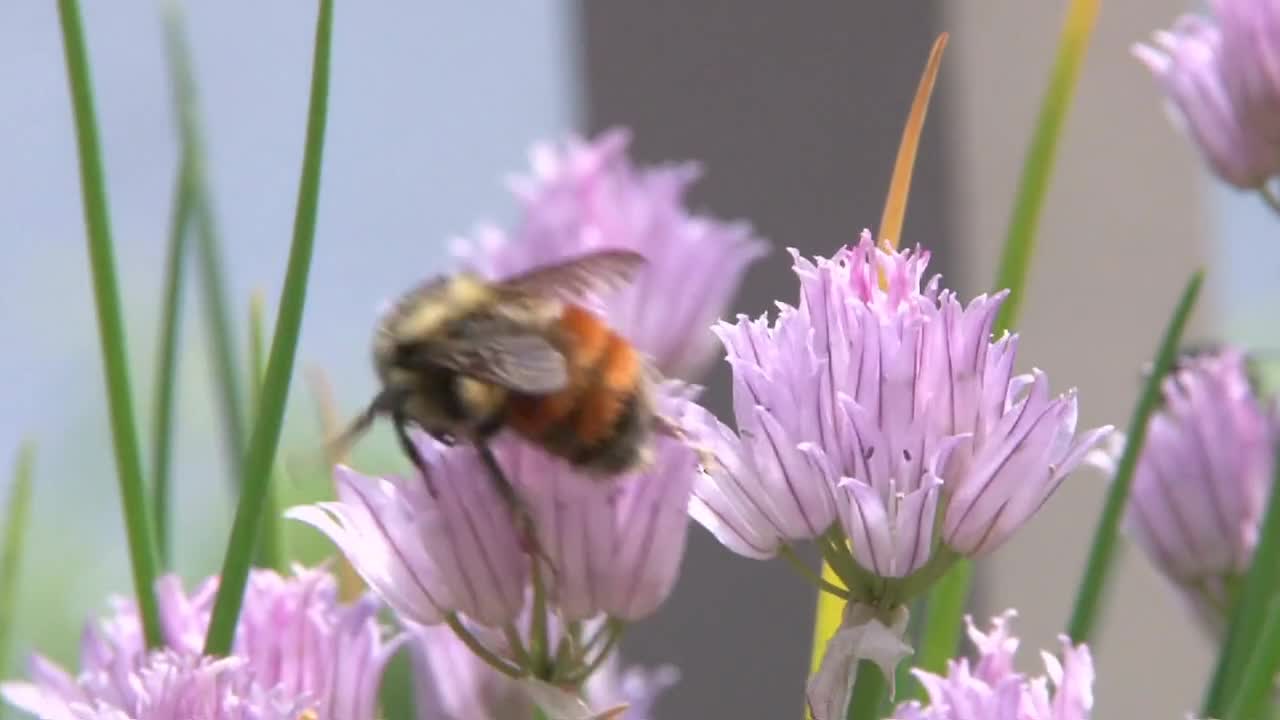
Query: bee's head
x=424 y=314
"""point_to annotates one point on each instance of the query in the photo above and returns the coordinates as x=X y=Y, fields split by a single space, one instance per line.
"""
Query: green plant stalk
x=284 y=345
x=271 y=548
x=106 y=291
x=869 y=690
x=212 y=281
x=1037 y=169
x=944 y=616
x=1084 y=616
x=1250 y=614
x=946 y=603
x=167 y=362
x=15 y=533
x=1258 y=679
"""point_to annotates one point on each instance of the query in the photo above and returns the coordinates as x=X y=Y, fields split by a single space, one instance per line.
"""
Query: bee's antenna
x=384 y=402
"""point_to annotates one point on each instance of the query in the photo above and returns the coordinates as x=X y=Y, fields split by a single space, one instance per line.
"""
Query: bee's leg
x=401 y=424
x=525 y=529
x=706 y=456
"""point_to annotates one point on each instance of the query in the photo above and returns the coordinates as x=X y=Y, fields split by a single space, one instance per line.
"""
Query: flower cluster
x=1202 y=479
x=613 y=548
x=585 y=195
x=297 y=651
x=448 y=552
x=990 y=688
x=887 y=412
x=1217 y=75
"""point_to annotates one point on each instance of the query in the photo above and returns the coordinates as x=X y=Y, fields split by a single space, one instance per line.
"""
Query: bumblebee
x=462 y=358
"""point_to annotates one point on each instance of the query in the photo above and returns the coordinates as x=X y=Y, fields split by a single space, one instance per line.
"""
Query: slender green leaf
x=1089 y=595
x=869 y=692
x=106 y=291
x=944 y=616
x=167 y=363
x=271 y=551
x=284 y=345
x=1249 y=616
x=1259 y=677
x=1037 y=169
x=946 y=603
x=216 y=305
x=396 y=696
x=15 y=533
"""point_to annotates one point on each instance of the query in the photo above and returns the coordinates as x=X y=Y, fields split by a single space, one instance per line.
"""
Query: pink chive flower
x=452 y=683
x=1202 y=479
x=616 y=547
x=869 y=409
x=168 y=685
x=296 y=650
x=1219 y=76
x=428 y=556
x=990 y=689
x=584 y=195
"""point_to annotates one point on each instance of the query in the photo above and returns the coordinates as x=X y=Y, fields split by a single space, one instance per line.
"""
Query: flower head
x=1202 y=478
x=990 y=689
x=296 y=650
x=1220 y=78
x=585 y=195
x=615 y=546
x=876 y=406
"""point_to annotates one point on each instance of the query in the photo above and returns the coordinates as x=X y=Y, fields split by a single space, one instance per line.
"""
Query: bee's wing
x=505 y=354
x=595 y=272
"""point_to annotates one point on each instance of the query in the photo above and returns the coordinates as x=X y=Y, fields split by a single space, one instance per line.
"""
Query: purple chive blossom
x=168 y=685
x=990 y=689
x=876 y=407
x=428 y=556
x=585 y=195
x=616 y=546
x=1202 y=479
x=1223 y=86
x=453 y=684
x=297 y=650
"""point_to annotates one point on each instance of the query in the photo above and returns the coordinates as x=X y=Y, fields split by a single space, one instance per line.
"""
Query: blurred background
x=796 y=115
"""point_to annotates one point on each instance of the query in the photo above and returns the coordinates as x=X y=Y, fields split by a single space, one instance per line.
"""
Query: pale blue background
x=432 y=104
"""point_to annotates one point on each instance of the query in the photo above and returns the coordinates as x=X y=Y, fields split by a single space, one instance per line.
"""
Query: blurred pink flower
x=1202 y=479
x=296 y=649
x=583 y=195
x=990 y=688
x=1219 y=76
x=876 y=408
